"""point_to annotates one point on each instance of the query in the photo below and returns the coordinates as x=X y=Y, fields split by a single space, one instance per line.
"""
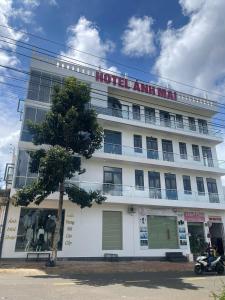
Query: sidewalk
x=87 y=267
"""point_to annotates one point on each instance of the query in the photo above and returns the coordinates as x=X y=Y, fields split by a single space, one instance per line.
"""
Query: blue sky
x=182 y=40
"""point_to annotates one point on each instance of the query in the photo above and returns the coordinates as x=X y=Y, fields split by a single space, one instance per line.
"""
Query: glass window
x=34 y=85
x=29 y=114
x=183 y=150
x=136 y=112
x=139 y=179
x=167 y=147
x=112 y=181
x=138 y=143
x=36 y=115
x=115 y=107
x=36 y=229
x=179 y=121
x=200 y=186
x=22 y=163
x=154 y=185
x=152 y=148
x=165 y=118
x=187 y=184
x=192 y=125
x=196 y=153
x=212 y=190
x=45 y=85
x=171 y=186
x=207 y=156
x=202 y=126
x=112 y=142
x=149 y=115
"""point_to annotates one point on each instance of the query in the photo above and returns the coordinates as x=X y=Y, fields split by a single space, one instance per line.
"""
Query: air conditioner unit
x=131 y=210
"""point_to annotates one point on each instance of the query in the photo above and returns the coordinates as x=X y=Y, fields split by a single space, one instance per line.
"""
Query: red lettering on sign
x=139 y=87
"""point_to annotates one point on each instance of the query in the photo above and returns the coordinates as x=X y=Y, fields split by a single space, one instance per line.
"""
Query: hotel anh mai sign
x=135 y=85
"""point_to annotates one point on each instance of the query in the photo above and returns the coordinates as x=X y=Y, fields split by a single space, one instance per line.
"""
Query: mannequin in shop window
x=50 y=229
x=40 y=239
x=29 y=238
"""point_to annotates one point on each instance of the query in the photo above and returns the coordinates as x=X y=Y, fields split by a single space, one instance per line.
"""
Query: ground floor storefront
x=138 y=231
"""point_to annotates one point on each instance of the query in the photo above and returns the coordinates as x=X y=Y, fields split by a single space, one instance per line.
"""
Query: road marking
x=144 y=280
x=194 y=278
x=63 y=283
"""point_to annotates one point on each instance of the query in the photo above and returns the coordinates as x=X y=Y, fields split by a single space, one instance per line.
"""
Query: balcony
x=152 y=156
x=165 y=124
x=151 y=196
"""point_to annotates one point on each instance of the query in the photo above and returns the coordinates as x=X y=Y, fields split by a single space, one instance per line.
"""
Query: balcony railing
x=153 y=154
x=144 y=192
x=151 y=193
x=210 y=130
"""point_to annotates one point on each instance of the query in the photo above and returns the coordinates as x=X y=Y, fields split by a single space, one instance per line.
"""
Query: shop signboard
x=194 y=216
x=215 y=219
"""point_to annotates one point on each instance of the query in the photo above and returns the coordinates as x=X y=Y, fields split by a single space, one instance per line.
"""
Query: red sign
x=215 y=219
x=194 y=216
x=135 y=85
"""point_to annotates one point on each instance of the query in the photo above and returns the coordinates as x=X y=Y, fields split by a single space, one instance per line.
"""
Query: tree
x=70 y=131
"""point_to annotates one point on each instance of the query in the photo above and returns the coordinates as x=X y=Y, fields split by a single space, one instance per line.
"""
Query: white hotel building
x=158 y=168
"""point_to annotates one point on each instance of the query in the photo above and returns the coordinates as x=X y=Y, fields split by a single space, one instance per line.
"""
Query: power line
x=95 y=91
x=113 y=61
x=28 y=56
x=56 y=57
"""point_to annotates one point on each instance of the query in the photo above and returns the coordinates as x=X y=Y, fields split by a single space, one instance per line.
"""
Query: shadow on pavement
x=151 y=280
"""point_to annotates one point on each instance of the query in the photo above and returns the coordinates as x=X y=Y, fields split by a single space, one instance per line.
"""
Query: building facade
x=157 y=166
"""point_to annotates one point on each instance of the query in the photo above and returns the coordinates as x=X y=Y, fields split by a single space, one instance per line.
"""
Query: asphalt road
x=157 y=285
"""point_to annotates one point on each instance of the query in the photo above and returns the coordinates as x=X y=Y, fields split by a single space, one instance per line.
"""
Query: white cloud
x=138 y=38
x=190 y=6
x=84 y=36
x=194 y=53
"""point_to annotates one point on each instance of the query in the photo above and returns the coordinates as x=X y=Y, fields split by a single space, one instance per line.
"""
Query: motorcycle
x=202 y=265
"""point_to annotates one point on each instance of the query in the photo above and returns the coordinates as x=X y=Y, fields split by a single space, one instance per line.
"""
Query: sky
x=181 y=40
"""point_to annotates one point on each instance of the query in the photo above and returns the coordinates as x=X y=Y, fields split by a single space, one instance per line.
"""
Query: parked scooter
x=202 y=265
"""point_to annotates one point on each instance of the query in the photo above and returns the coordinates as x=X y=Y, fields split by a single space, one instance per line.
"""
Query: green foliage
x=220 y=296
x=69 y=130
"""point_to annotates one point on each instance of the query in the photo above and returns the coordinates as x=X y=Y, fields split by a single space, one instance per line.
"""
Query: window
x=165 y=118
x=112 y=234
x=171 y=186
x=154 y=185
x=115 y=107
x=152 y=148
x=212 y=190
x=149 y=115
x=139 y=179
x=196 y=153
x=36 y=229
x=183 y=150
x=179 y=121
x=137 y=143
x=167 y=147
x=200 y=186
x=136 y=112
x=207 y=156
x=192 y=125
x=187 y=184
x=23 y=174
x=112 y=142
x=112 y=181
x=41 y=86
x=34 y=85
x=35 y=115
x=202 y=126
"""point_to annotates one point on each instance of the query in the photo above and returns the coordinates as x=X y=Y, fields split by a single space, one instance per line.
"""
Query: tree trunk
x=56 y=237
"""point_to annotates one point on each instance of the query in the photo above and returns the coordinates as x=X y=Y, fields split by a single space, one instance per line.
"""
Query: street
x=24 y=284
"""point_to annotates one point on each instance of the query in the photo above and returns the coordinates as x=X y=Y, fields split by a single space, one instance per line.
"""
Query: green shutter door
x=162 y=232
x=112 y=230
